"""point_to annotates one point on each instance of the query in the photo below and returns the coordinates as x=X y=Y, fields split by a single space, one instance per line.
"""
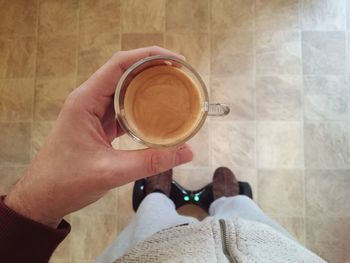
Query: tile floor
x=281 y=65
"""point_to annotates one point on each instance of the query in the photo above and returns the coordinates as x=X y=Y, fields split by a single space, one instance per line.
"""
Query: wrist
x=21 y=206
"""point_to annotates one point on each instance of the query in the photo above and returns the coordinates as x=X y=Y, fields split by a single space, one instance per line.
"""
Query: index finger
x=104 y=80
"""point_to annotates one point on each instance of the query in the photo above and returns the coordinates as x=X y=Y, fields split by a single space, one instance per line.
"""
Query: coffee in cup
x=162 y=104
x=161 y=101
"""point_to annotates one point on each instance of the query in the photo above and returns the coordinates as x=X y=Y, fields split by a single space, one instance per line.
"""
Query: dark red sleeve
x=24 y=240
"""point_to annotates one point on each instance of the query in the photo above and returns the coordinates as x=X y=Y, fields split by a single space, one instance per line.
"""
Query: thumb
x=133 y=165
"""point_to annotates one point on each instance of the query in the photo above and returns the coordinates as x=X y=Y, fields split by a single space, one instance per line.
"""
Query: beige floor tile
x=91 y=234
x=16 y=99
x=200 y=147
x=58 y=17
x=329 y=238
x=279 y=98
x=139 y=40
x=194 y=46
x=143 y=16
x=326 y=192
x=278 y=52
x=279 y=198
x=238 y=93
x=56 y=56
x=40 y=131
x=277 y=15
x=326 y=145
x=326 y=98
x=232 y=15
x=323 y=53
x=14 y=143
x=18 y=17
x=279 y=145
x=95 y=50
x=99 y=16
x=125 y=205
x=108 y=204
x=187 y=15
x=250 y=176
x=232 y=53
x=232 y=144
x=323 y=15
x=17 y=57
x=192 y=178
x=9 y=175
x=50 y=95
x=294 y=225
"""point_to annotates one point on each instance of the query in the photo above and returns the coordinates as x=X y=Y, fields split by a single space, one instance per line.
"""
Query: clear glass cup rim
x=168 y=60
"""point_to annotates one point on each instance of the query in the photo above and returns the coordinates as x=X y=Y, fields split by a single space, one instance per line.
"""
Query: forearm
x=25 y=240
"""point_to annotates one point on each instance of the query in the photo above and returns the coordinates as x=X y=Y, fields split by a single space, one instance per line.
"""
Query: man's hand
x=77 y=164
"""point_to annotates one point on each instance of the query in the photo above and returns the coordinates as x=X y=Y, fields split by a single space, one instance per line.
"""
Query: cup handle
x=218 y=109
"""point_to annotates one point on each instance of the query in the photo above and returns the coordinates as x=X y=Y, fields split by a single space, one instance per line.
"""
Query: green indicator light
x=196 y=198
x=186 y=198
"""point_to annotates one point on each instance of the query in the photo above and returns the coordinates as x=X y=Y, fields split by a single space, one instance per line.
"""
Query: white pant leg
x=244 y=207
x=156 y=212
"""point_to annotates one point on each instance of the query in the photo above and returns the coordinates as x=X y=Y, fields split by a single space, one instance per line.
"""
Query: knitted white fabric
x=190 y=243
x=249 y=241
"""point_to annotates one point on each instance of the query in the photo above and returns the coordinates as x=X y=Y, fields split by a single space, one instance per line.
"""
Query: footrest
x=181 y=196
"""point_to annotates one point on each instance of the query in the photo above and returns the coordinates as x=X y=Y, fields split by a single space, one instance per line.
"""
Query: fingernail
x=183 y=155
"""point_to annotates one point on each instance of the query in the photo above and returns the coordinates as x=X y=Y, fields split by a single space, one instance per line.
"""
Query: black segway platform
x=181 y=196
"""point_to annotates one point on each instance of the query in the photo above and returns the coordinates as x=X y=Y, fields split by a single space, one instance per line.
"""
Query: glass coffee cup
x=124 y=107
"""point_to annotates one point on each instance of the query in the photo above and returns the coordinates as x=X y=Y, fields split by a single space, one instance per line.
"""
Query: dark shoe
x=159 y=183
x=224 y=183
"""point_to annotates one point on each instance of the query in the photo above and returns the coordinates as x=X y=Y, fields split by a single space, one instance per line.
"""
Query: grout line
x=165 y=33
x=77 y=46
x=210 y=153
x=347 y=54
x=35 y=79
x=255 y=110
x=165 y=14
x=120 y=28
x=121 y=31
x=302 y=98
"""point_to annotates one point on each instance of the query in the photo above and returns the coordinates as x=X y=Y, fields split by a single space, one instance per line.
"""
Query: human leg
x=156 y=212
x=244 y=207
x=229 y=204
